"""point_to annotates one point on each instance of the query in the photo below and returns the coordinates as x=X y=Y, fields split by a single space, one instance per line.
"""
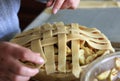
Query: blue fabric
x=9 y=24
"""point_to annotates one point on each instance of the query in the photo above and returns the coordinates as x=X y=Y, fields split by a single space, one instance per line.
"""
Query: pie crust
x=66 y=49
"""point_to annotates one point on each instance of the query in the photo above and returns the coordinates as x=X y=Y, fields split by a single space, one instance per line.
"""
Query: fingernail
x=55 y=11
x=41 y=60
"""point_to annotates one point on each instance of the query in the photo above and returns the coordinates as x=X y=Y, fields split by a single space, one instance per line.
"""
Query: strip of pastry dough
x=49 y=41
x=98 y=46
x=62 y=39
x=89 y=34
x=24 y=40
x=49 y=53
x=82 y=37
x=84 y=28
x=37 y=47
x=31 y=31
x=56 y=32
x=76 y=69
x=95 y=43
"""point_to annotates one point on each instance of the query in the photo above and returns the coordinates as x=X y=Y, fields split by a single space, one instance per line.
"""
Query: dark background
x=29 y=10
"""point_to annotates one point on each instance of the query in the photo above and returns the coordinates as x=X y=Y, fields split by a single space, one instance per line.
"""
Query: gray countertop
x=107 y=20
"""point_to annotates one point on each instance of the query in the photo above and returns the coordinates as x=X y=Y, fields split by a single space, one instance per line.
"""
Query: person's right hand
x=11 y=69
x=62 y=4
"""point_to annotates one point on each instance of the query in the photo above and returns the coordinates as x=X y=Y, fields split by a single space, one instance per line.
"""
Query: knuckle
x=25 y=53
x=59 y=3
x=73 y=4
x=24 y=56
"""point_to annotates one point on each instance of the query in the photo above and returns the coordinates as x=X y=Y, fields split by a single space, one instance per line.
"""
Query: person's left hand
x=62 y=4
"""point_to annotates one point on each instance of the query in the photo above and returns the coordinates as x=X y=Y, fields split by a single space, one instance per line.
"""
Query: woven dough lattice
x=66 y=48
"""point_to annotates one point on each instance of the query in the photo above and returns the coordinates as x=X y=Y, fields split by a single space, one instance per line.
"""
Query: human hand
x=62 y=4
x=11 y=69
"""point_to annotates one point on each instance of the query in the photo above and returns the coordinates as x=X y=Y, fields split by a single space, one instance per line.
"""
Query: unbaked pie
x=67 y=49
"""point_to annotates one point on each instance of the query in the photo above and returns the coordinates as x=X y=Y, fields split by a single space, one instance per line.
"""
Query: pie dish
x=66 y=48
x=104 y=64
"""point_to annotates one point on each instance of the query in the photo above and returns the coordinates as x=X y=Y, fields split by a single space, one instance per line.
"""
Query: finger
x=66 y=4
x=75 y=4
x=20 y=52
x=28 y=55
x=70 y=4
x=18 y=78
x=20 y=69
x=8 y=76
x=50 y=3
x=16 y=67
x=57 y=5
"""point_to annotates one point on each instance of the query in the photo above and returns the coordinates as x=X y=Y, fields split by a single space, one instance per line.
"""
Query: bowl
x=98 y=66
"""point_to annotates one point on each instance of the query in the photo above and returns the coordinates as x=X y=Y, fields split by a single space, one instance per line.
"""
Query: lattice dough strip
x=37 y=47
x=37 y=29
x=53 y=40
x=49 y=41
x=98 y=44
x=75 y=44
x=84 y=28
x=24 y=40
x=61 y=48
x=111 y=48
x=81 y=37
x=89 y=34
x=55 y=32
x=91 y=39
x=49 y=53
x=94 y=34
x=47 y=27
x=91 y=30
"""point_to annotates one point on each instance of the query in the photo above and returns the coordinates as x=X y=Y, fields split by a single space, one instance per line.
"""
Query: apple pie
x=66 y=48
